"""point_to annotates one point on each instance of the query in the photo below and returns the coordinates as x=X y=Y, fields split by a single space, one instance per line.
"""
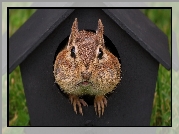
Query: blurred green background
x=161 y=112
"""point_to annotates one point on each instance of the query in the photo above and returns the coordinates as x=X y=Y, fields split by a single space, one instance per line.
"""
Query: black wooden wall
x=129 y=105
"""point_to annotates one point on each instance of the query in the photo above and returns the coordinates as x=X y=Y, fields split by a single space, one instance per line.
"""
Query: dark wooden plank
x=33 y=32
x=129 y=105
x=146 y=33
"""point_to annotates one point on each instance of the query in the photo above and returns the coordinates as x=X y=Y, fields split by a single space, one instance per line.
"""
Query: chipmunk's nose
x=86 y=75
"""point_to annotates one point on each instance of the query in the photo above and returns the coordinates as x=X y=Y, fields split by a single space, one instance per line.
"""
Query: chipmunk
x=86 y=67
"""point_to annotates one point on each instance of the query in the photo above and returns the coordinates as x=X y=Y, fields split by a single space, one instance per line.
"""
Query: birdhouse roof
x=44 y=21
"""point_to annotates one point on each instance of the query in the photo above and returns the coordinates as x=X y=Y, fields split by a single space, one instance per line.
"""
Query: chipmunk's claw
x=99 y=103
x=75 y=101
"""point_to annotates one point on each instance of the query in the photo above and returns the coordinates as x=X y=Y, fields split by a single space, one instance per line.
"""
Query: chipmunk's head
x=90 y=65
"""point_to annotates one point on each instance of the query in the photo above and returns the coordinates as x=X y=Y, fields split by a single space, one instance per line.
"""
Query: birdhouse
x=139 y=45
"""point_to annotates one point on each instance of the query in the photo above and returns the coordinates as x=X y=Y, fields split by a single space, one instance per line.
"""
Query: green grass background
x=161 y=112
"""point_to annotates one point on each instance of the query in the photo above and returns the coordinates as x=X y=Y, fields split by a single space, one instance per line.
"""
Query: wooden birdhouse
x=131 y=36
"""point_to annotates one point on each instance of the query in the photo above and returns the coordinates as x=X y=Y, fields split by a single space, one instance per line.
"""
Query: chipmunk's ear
x=74 y=32
x=74 y=28
x=100 y=31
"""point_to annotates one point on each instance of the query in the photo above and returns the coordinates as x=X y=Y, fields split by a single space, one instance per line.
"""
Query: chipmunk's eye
x=73 y=52
x=100 y=54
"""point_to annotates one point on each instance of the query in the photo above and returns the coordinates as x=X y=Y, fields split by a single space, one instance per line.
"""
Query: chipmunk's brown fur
x=86 y=67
